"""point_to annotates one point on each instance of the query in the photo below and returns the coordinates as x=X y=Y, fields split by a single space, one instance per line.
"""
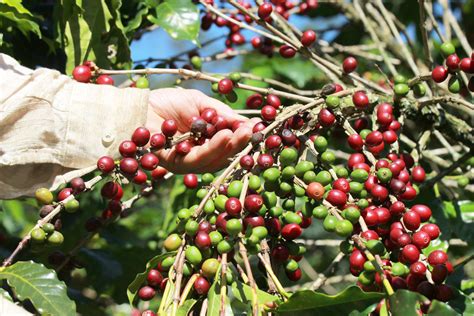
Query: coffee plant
x=352 y=197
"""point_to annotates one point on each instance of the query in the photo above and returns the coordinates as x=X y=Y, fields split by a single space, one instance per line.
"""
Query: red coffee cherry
x=157 y=141
x=384 y=118
x=128 y=165
x=421 y=239
x=444 y=293
x=253 y=203
x=326 y=118
x=337 y=198
x=255 y=101
x=128 y=148
x=355 y=159
x=247 y=162
x=308 y=38
x=201 y=286
x=410 y=253
x=411 y=220
x=78 y=185
x=105 y=164
x=268 y=113
x=256 y=42
x=253 y=220
x=141 y=136
x=370 y=235
x=288 y=137
x=64 y=193
x=272 y=142
x=341 y=184
x=439 y=74
x=110 y=190
x=190 y=181
x=154 y=277
x=315 y=191
x=403 y=240
x=140 y=177
x=158 y=173
x=287 y=51
x=439 y=273
x=237 y=38
x=82 y=74
x=273 y=100
x=418 y=268
x=437 y=257
x=379 y=192
x=183 y=148
x=349 y=65
x=208 y=114
x=422 y=210
x=105 y=79
x=294 y=275
x=169 y=127
x=291 y=231
x=355 y=141
x=265 y=10
x=360 y=100
x=467 y=65
x=265 y=161
x=432 y=230
x=280 y=253
x=427 y=289
x=146 y=293
x=357 y=260
x=220 y=122
x=233 y=207
x=397 y=208
x=374 y=138
x=371 y=217
x=390 y=137
x=225 y=86
x=202 y=240
x=418 y=174
x=452 y=62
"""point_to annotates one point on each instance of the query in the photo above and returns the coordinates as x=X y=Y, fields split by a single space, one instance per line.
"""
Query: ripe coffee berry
x=418 y=174
x=140 y=177
x=201 y=286
x=208 y=114
x=421 y=239
x=315 y=190
x=410 y=253
x=154 y=277
x=308 y=38
x=128 y=165
x=360 y=99
x=273 y=141
x=255 y=101
x=326 y=118
x=183 y=148
x=105 y=79
x=225 y=86
x=432 y=230
x=411 y=220
x=141 y=136
x=423 y=211
x=233 y=207
x=247 y=162
x=190 y=181
x=128 y=148
x=349 y=65
x=291 y=231
x=146 y=293
x=169 y=127
x=105 y=164
x=337 y=197
x=253 y=203
x=467 y=65
x=265 y=10
x=157 y=141
x=355 y=141
x=268 y=113
x=265 y=161
x=452 y=62
x=199 y=126
x=82 y=74
x=273 y=100
x=374 y=138
x=287 y=51
x=149 y=161
x=439 y=74
x=202 y=240
x=437 y=257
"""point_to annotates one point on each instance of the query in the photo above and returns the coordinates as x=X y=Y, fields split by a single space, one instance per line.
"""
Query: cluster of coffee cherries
x=453 y=65
x=283 y=7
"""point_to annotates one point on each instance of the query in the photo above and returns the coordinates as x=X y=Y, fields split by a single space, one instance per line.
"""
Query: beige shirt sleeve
x=53 y=128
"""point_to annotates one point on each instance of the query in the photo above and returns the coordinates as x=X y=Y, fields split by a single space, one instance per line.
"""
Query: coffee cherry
x=452 y=62
x=355 y=141
x=423 y=211
x=208 y=114
x=105 y=164
x=105 y=79
x=246 y=162
x=142 y=83
x=410 y=253
x=349 y=65
x=64 y=193
x=141 y=136
x=190 y=181
x=287 y=51
x=360 y=99
x=209 y=267
x=467 y=65
x=154 y=277
x=225 y=86
x=253 y=203
x=255 y=101
x=291 y=231
x=357 y=260
x=432 y=230
x=72 y=206
x=233 y=207
x=411 y=220
x=82 y=74
x=418 y=268
x=439 y=74
x=265 y=161
x=44 y=196
x=149 y=161
x=280 y=253
x=294 y=275
x=201 y=286
x=193 y=255
x=183 y=148
x=437 y=257
x=169 y=127
x=55 y=239
x=172 y=242
x=146 y=293
x=421 y=239
x=342 y=185
x=38 y=236
x=427 y=289
x=374 y=138
x=326 y=118
x=129 y=165
x=273 y=100
x=157 y=141
x=158 y=173
x=444 y=293
x=344 y=228
x=268 y=113
x=272 y=142
x=447 y=49
x=308 y=38
x=439 y=273
x=315 y=191
x=337 y=198
x=265 y=10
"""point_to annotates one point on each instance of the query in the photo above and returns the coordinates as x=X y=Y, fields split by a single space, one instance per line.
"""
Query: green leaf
x=214 y=299
x=438 y=308
x=462 y=303
x=180 y=18
x=404 y=303
x=296 y=70
x=141 y=277
x=436 y=244
x=33 y=281
x=243 y=293
x=184 y=309
x=350 y=299
x=13 y=13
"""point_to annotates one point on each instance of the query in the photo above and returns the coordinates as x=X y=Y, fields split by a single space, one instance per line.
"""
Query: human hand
x=182 y=105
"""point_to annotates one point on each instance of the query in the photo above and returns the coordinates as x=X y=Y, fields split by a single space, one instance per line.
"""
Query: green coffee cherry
x=184 y=214
x=447 y=49
x=271 y=174
x=384 y=175
x=359 y=175
x=342 y=172
x=167 y=263
x=463 y=181
x=356 y=187
x=454 y=84
x=369 y=266
x=291 y=265
x=288 y=156
x=207 y=178
x=289 y=205
x=215 y=87
x=275 y=211
x=328 y=157
x=323 y=177
x=302 y=167
x=344 y=228
x=196 y=61
x=288 y=173
x=172 y=242
x=375 y=246
x=309 y=176
x=235 y=76
x=233 y=227
x=346 y=247
x=224 y=246
x=55 y=239
x=142 y=83
x=220 y=200
x=193 y=255
x=320 y=212
x=329 y=223
x=401 y=89
x=260 y=231
x=419 y=90
x=216 y=237
x=191 y=227
x=351 y=213
x=398 y=269
x=201 y=193
x=400 y=79
x=292 y=217
x=234 y=189
x=38 y=236
x=44 y=196
x=254 y=182
x=209 y=207
x=363 y=133
x=333 y=101
x=320 y=144
x=48 y=228
x=232 y=96
x=270 y=199
x=366 y=278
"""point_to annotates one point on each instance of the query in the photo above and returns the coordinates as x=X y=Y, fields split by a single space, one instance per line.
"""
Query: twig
x=322 y=277
x=447 y=171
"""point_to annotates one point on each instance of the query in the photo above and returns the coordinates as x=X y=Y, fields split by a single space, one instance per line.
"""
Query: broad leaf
x=141 y=277
x=438 y=308
x=296 y=70
x=180 y=18
x=184 y=309
x=404 y=303
x=243 y=293
x=18 y=16
x=33 y=281
x=343 y=303
x=462 y=303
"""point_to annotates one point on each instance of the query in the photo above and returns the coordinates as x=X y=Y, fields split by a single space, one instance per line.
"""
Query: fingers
x=222 y=109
